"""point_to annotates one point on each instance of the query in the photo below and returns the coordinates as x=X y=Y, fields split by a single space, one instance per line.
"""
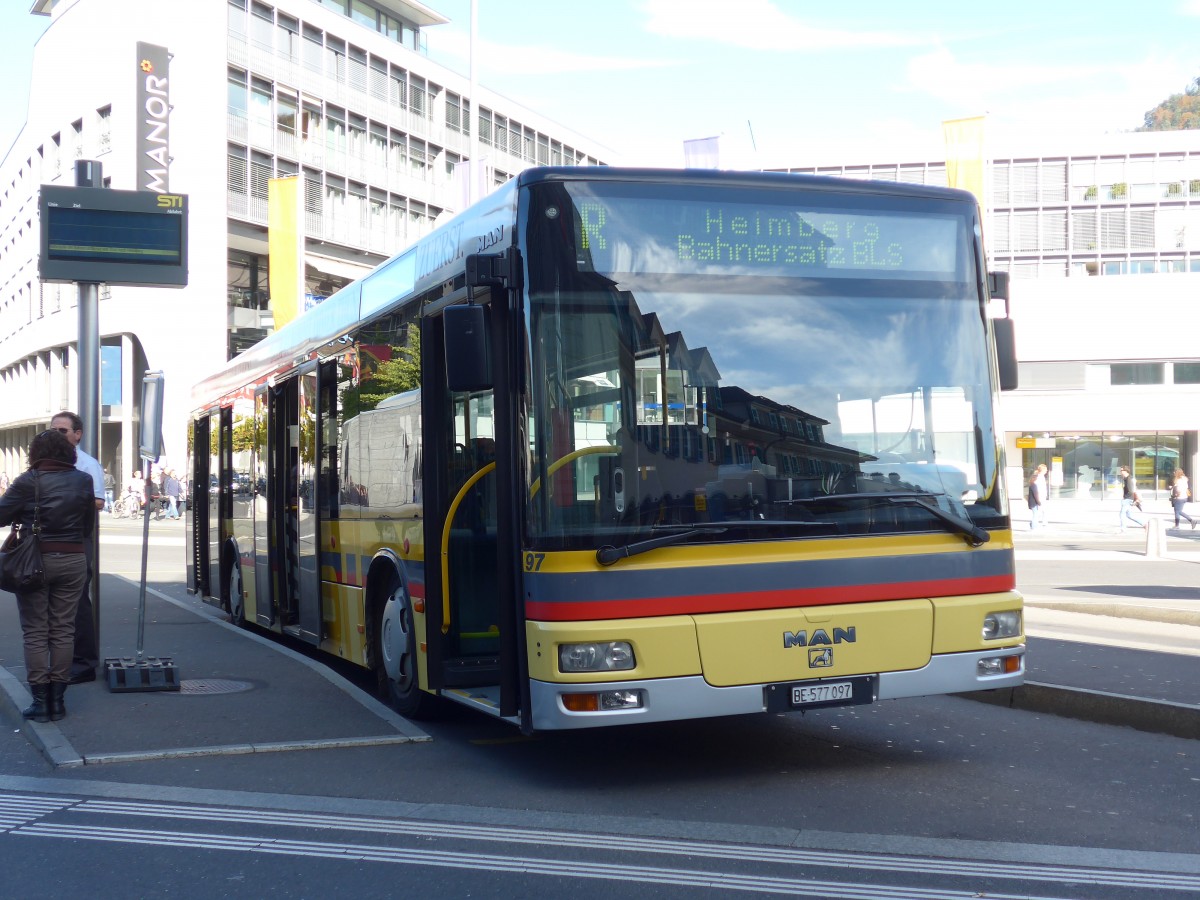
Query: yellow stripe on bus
x=568 y=561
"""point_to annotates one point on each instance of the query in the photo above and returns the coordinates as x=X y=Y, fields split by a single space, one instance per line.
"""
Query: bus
x=616 y=446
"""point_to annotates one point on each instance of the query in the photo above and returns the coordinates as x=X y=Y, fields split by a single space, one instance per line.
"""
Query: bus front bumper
x=691 y=697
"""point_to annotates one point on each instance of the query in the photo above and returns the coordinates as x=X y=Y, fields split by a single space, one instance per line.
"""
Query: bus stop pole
x=88 y=173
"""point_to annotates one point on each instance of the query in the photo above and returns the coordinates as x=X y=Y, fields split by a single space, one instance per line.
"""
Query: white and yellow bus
x=618 y=446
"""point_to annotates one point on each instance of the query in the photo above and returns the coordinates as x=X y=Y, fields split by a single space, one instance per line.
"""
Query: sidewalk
x=1098 y=520
x=240 y=692
x=1095 y=588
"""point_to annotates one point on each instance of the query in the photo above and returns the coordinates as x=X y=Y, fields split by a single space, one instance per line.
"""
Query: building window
x=1084 y=233
x=104 y=127
x=239 y=103
x=1113 y=229
x=1141 y=229
x=363 y=14
x=1187 y=373
x=1054 y=229
x=454 y=112
x=287 y=39
x=1136 y=373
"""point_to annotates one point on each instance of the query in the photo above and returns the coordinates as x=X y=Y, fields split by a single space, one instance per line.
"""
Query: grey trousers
x=48 y=618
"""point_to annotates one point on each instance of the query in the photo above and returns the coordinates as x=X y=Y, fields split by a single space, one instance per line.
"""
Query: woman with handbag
x=54 y=504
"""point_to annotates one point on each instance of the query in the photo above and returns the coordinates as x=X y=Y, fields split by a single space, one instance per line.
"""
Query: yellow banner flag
x=285 y=246
x=964 y=155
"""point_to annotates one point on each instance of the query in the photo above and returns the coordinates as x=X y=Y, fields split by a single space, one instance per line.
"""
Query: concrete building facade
x=338 y=93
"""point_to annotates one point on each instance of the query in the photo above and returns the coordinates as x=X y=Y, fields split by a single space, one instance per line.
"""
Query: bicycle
x=127 y=507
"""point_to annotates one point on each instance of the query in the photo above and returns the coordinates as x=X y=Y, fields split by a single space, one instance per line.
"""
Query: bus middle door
x=292 y=486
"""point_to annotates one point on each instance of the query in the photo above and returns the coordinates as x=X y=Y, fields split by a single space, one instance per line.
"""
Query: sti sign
x=153 y=113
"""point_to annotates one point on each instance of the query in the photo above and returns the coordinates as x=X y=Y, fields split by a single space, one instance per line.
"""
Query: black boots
x=54 y=702
x=39 y=710
x=47 y=705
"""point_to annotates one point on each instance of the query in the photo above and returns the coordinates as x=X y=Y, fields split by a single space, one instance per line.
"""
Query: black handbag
x=21 y=569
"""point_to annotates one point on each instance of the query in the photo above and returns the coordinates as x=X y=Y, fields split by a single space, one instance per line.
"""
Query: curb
x=1158 y=716
x=1164 y=614
x=47 y=739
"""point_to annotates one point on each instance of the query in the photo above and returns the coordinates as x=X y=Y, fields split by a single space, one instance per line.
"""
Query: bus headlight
x=1002 y=624
x=608 y=656
x=998 y=665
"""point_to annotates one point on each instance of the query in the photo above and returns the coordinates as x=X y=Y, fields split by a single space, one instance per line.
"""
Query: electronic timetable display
x=660 y=235
x=116 y=237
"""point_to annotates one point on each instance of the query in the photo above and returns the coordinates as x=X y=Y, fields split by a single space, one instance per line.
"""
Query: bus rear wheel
x=396 y=657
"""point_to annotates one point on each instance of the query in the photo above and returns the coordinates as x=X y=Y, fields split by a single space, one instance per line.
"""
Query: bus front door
x=469 y=645
x=291 y=491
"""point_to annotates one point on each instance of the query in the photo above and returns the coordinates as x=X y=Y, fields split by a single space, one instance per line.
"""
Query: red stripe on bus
x=568 y=611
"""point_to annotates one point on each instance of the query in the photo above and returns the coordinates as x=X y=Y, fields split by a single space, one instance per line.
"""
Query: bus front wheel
x=396 y=656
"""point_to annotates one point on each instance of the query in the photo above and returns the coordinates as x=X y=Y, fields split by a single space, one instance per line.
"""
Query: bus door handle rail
x=458 y=499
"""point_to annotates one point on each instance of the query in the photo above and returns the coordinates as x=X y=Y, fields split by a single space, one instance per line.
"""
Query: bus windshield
x=787 y=363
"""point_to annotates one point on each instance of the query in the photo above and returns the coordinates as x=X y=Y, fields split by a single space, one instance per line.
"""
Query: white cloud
x=1104 y=97
x=454 y=48
x=940 y=74
x=757 y=25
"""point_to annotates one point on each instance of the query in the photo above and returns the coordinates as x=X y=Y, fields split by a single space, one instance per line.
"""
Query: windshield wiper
x=608 y=554
x=971 y=533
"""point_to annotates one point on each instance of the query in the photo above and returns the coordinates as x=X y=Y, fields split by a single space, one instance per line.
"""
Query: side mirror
x=998 y=285
x=468 y=348
x=1006 y=353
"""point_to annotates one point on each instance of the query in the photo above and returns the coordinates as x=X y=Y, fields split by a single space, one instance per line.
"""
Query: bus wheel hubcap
x=394 y=637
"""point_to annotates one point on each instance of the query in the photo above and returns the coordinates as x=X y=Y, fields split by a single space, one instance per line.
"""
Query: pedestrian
x=183 y=496
x=110 y=485
x=1129 y=499
x=137 y=487
x=3 y=483
x=1037 y=496
x=153 y=496
x=60 y=498
x=1180 y=494
x=87 y=654
x=171 y=489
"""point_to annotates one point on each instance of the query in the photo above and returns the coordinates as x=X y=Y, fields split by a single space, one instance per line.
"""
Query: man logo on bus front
x=820 y=657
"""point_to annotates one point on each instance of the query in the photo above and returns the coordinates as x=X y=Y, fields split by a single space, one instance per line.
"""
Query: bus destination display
x=665 y=236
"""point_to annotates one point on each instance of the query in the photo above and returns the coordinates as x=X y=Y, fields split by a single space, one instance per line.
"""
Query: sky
x=791 y=81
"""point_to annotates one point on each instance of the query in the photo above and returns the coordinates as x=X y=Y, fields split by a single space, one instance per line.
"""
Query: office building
x=1101 y=237
x=338 y=93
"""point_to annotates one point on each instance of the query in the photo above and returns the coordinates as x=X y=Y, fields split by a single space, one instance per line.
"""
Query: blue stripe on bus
x=646 y=584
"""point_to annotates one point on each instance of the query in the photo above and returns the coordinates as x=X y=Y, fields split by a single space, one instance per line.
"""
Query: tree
x=1177 y=112
x=394 y=376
